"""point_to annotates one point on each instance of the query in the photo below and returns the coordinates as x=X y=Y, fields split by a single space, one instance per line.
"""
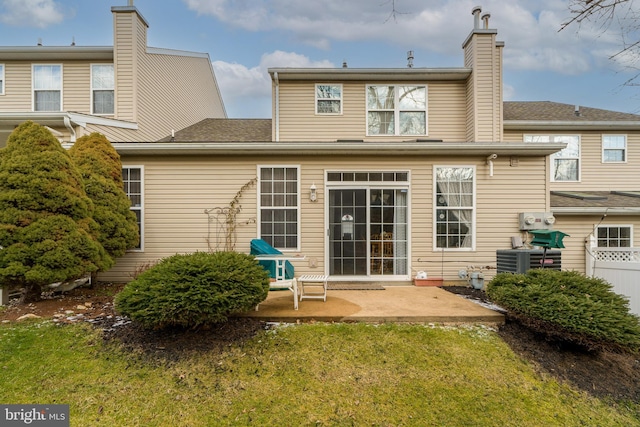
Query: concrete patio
x=417 y=304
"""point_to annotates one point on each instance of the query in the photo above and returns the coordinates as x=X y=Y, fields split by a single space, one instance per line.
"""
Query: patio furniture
x=280 y=272
x=317 y=284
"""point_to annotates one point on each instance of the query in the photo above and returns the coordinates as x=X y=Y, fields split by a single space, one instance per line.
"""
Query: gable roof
x=224 y=130
x=547 y=115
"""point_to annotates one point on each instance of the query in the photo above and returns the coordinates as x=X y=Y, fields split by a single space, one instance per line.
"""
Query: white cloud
x=530 y=28
x=31 y=13
x=247 y=91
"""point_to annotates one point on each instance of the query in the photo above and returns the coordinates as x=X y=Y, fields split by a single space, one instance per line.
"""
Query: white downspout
x=72 y=131
x=277 y=106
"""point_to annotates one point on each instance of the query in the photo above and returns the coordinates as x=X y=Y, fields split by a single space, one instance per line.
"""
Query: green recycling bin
x=547 y=238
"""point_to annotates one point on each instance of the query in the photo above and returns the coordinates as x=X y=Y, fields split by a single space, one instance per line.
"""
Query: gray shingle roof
x=225 y=130
x=594 y=199
x=555 y=111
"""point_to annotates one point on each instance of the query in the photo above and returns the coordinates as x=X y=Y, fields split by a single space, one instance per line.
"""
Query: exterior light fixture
x=313 y=193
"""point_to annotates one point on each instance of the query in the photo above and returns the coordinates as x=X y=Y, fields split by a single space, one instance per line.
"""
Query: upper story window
x=102 y=88
x=328 y=99
x=279 y=206
x=47 y=87
x=396 y=110
x=614 y=148
x=454 y=207
x=615 y=236
x=132 y=180
x=1 y=79
x=565 y=164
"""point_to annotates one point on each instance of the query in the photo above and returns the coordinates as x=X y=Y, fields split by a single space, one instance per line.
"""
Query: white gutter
x=334 y=148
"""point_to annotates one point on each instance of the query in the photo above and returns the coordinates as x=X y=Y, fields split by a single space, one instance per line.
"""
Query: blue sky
x=246 y=37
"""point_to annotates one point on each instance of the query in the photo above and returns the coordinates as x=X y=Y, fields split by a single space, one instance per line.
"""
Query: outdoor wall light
x=313 y=193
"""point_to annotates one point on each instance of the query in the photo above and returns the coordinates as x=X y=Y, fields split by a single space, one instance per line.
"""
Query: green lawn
x=309 y=374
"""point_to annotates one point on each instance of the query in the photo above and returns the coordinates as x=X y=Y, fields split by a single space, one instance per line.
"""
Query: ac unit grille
x=522 y=260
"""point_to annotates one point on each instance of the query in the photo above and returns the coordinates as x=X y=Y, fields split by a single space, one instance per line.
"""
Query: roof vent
x=577 y=111
x=344 y=64
x=476 y=17
x=410 y=59
x=485 y=19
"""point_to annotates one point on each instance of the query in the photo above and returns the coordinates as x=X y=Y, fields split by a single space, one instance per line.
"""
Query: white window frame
x=339 y=99
x=33 y=85
x=297 y=206
x=2 y=81
x=473 y=208
x=397 y=110
x=94 y=89
x=618 y=226
x=553 y=157
x=139 y=208
x=605 y=148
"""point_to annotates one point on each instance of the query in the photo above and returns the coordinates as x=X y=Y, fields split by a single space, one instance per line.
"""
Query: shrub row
x=586 y=310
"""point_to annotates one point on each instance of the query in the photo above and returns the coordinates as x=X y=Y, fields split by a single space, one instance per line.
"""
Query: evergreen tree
x=101 y=171
x=47 y=233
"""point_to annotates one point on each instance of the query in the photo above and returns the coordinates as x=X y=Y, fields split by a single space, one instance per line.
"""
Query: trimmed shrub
x=194 y=290
x=569 y=306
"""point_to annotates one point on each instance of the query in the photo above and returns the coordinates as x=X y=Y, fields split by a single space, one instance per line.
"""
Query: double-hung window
x=102 y=88
x=396 y=110
x=614 y=148
x=1 y=79
x=614 y=236
x=565 y=164
x=133 y=185
x=328 y=99
x=47 y=87
x=279 y=206
x=454 y=207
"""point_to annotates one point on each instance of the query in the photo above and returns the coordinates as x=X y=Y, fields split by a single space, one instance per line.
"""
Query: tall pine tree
x=47 y=232
x=101 y=171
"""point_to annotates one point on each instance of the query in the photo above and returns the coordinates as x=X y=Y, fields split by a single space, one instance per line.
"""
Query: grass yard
x=309 y=374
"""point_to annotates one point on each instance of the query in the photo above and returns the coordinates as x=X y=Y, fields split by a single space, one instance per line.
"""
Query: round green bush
x=569 y=306
x=194 y=289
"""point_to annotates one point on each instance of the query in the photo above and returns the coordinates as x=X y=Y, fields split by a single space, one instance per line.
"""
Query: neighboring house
x=375 y=174
x=128 y=91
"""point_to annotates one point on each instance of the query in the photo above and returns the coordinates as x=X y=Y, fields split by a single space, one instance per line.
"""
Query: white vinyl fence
x=621 y=268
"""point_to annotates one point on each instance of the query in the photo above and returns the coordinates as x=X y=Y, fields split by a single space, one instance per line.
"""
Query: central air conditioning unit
x=536 y=221
x=520 y=261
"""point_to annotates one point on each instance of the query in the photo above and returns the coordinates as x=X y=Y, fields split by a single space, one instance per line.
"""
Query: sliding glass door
x=368 y=231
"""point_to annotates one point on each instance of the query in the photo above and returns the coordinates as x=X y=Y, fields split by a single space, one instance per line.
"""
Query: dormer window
x=396 y=110
x=102 y=88
x=328 y=99
x=47 y=87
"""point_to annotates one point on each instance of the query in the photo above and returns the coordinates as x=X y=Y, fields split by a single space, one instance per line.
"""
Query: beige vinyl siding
x=76 y=89
x=594 y=174
x=177 y=192
x=18 y=95
x=129 y=39
x=299 y=122
x=175 y=92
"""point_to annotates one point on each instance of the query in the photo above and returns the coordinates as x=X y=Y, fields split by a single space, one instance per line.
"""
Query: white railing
x=616 y=255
